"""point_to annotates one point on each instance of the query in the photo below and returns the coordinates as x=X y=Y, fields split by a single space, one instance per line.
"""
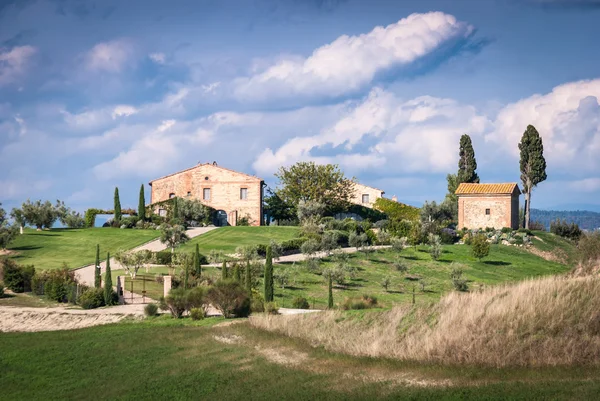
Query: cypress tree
x=108 y=282
x=117 y=205
x=97 y=270
x=248 y=277
x=224 y=271
x=330 y=295
x=237 y=275
x=467 y=163
x=197 y=265
x=269 y=275
x=185 y=277
x=142 y=205
x=533 y=165
x=175 y=210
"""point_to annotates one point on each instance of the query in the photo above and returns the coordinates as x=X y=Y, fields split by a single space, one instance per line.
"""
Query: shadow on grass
x=25 y=248
x=497 y=263
x=411 y=258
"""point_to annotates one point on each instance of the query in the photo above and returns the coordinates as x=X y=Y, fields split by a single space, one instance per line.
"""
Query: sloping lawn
x=75 y=247
x=227 y=239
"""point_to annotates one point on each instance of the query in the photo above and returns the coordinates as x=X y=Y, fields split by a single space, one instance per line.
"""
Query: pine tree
x=117 y=205
x=237 y=275
x=248 y=280
x=224 y=275
x=142 y=205
x=97 y=270
x=197 y=265
x=269 y=275
x=533 y=165
x=467 y=163
x=330 y=295
x=108 y=290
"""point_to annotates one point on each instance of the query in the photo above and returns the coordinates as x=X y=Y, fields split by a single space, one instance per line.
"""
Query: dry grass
x=549 y=321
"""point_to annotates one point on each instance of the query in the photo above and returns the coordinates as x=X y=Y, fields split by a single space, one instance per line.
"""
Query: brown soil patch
x=283 y=356
x=556 y=256
x=6 y=252
x=229 y=339
x=230 y=323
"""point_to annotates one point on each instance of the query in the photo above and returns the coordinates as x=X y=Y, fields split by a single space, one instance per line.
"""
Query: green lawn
x=75 y=247
x=505 y=264
x=163 y=358
x=227 y=239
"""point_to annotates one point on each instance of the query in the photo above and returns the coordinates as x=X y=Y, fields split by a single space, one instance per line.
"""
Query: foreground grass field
x=227 y=239
x=170 y=359
x=75 y=247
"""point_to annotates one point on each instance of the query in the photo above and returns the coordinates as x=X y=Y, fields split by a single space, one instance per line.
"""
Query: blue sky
x=98 y=94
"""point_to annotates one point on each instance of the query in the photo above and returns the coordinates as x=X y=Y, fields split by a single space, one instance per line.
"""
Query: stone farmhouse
x=488 y=205
x=365 y=195
x=233 y=194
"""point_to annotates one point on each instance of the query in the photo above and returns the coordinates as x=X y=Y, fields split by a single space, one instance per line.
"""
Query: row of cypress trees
x=141 y=205
x=108 y=292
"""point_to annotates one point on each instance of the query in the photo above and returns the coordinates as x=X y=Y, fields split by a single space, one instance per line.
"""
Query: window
x=171 y=195
x=189 y=193
x=162 y=212
x=487 y=212
x=205 y=178
x=365 y=198
x=206 y=194
x=244 y=193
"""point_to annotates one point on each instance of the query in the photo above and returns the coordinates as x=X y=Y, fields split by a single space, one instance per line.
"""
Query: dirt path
x=86 y=274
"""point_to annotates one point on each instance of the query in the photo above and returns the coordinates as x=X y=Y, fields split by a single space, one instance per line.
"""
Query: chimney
x=395 y=198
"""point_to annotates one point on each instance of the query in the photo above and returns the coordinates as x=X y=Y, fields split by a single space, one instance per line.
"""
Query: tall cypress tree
x=237 y=275
x=118 y=214
x=197 y=265
x=108 y=290
x=467 y=163
x=248 y=280
x=269 y=275
x=224 y=274
x=175 y=210
x=97 y=270
x=142 y=205
x=330 y=294
x=533 y=165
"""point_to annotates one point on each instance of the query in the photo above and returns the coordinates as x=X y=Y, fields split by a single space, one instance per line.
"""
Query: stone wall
x=504 y=211
x=225 y=191
x=360 y=190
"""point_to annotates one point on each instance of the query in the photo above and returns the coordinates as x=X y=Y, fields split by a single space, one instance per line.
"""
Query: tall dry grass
x=548 y=321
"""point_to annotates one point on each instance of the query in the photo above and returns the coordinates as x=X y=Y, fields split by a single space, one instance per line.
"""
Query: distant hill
x=585 y=219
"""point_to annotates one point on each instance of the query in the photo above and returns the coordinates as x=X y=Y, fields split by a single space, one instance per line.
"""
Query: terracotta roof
x=485 y=189
x=205 y=164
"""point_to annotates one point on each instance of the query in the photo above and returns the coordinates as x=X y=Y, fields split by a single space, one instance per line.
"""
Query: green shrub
x=480 y=247
x=151 y=310
x=91 y=298
x=59 y=284
x=459 y=283
x=271 y=308
x=506 y=230
x=197 y=314
x=17 y=278
x=354 y=304
x=175 y=302
x=293 y=245
x=371 y=237
x=525 y=231
x=300 y=303
x=257 y=303
x=230 y=298
x=163 y=257
x=565 y=230
x=371 y=300
x=1 y=289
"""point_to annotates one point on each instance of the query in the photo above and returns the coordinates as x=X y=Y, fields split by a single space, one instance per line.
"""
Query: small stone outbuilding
x=488 y=205
x=365 y=195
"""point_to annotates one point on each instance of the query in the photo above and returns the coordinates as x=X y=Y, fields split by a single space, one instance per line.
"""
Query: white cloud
x=568 y=119
x=350 y=62
x=14 y=62
x=110 y=56
x=123 y=110
x=158 y=58
x=585 y=185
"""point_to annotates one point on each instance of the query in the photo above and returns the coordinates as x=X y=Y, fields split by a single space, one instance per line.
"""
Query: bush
x=370 y=299
x=435 y=248
x=371 y=237
x=480 y=248
x=537 y=226
x=589 y=248
x=1 y=289
x=271 y=308
x=257 y=303
x=364 y=302
x=506 y=230
x=448 y=236
x=151 y=310
x=230 y=298
x=293 y=245
x=524 y=231
x=91 y=298
x=340 y=236
x=163 y=257
x=565 y=230
x=197 y=314
x=310 y=247
x=17 y=278
x=58 y=285
x=459 y=283
x=300 y=303
x=181 y=300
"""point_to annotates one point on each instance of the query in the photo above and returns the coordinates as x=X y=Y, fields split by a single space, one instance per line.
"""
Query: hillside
x=585 y=219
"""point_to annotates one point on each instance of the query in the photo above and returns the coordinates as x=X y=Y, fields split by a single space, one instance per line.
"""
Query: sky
x=98 y=94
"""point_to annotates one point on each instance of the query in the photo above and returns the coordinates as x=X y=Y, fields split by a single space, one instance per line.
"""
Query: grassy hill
x=228 y=238
x=75 y=247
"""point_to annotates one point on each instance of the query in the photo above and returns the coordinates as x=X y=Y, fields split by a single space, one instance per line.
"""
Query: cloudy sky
x=98 y=94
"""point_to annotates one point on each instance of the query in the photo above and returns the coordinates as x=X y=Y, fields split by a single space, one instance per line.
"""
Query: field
x=75 y=247
x=168 y=359
x=227 y=239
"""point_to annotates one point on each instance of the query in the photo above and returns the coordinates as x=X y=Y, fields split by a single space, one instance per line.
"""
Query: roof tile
x=484 y=189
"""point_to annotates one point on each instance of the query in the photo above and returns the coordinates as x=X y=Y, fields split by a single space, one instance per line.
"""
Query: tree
x=309 y=181
x=248 y=280
x=2 y=215
x=97 y=270
x=19 y=218
x=132 y=261
x=269 y=275
x=108 y=290
x=197 y=265
x=275 y=208
x=237 y=275
x=38 y=214
x=329 y=292
x=224 y=275
x=118 y=214
x=533 y=165
x=7 y=234
x=480 y=247
x=435 y=246
x=386 y=282
x=467 y=163
x=173 y=236
x=142 y=205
